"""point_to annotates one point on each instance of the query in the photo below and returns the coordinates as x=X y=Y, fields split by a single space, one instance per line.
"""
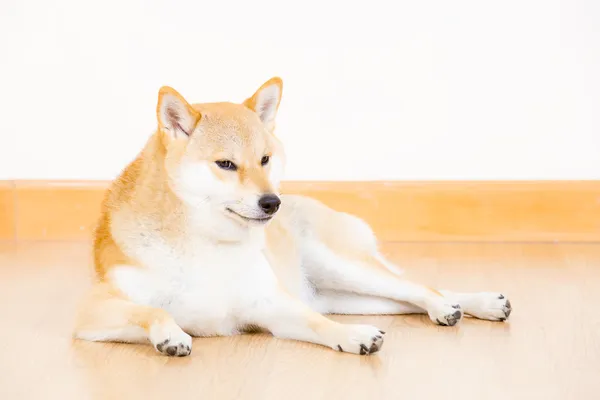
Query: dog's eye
x=264 y=160
x=226 y=164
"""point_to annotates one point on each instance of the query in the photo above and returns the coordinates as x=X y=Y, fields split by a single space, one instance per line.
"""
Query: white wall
x=381 y=90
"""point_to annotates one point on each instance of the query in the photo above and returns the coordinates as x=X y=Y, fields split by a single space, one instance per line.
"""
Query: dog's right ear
x=265 y=101
x=176 y=117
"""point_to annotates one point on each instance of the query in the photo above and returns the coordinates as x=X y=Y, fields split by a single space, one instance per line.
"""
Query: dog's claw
x=363 y=350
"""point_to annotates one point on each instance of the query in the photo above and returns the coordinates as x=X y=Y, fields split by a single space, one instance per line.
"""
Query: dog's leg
x=336 y=302
x=371 y=280
x=373 y=276
x=107 y=317
x=340 y=254
x=368 y=276
x=288 y=318
x=483 y=305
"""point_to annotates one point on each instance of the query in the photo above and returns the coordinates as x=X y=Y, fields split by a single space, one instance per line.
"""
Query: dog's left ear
x=176 y=117
x=265 y=101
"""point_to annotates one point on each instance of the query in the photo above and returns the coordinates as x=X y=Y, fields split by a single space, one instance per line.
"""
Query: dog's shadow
x=129 y=371
x=250 y=366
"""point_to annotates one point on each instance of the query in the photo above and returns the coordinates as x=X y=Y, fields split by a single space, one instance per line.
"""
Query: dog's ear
x=265 y=101
x=175 y=116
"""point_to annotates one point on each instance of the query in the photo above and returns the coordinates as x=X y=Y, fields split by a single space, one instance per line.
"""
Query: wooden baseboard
x=397 y=211
x=8 y=225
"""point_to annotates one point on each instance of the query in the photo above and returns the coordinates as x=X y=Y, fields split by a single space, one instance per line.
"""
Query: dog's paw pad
x=174 y=349
x=446 y=315
x=360 y=339
x=171 y=341
x=490 y=306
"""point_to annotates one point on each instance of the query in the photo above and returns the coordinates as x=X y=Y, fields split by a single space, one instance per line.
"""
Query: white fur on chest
x=202 y=285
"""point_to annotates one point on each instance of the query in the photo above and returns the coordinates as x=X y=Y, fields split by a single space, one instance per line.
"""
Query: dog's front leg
x=289 y=318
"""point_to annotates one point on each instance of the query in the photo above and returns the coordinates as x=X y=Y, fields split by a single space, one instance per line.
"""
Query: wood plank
x=549 y=348
x=397 y=211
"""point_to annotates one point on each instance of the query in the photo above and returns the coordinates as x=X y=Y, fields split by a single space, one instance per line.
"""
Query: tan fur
x=142 y=189
x=143 y=183
x=158 y=206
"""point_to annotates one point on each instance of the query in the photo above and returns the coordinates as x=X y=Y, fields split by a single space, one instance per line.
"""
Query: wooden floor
x=548 y=349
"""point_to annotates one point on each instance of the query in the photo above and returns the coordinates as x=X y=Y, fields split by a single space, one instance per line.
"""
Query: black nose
x=269 y=203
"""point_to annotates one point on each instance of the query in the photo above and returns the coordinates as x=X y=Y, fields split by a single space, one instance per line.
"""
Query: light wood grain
x=397 y=211
x=549 y=349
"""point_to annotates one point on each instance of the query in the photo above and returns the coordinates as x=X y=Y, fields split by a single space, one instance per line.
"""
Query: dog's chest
x=201 y=286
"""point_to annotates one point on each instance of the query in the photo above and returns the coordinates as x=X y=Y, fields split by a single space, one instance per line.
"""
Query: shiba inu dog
x=195 y=239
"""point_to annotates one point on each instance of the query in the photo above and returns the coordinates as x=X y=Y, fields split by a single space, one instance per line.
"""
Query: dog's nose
x=269 y=203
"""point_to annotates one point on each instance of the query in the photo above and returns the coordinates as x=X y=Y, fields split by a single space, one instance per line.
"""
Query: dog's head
x=224 y=155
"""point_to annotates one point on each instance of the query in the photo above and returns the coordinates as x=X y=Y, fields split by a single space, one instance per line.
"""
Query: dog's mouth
x=260 y=220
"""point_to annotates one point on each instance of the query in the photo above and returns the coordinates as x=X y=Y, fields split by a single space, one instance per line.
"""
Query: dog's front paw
x=445 y=314
x=171 y=340
x=359 y=339
x=490 y=306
